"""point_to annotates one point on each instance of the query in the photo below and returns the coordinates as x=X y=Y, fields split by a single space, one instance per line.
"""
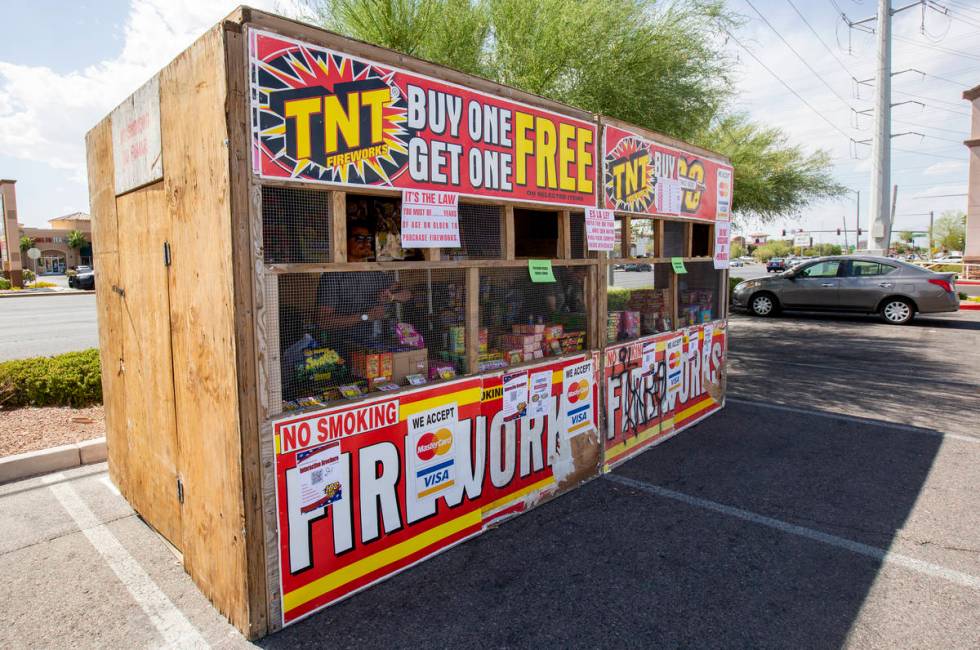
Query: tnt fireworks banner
x=641 y=408
x=645 y=177
x=327 y=117
x=368 y=489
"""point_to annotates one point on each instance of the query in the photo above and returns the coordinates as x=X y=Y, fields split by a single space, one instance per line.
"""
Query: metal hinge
x=180 y=491
x=166 y=253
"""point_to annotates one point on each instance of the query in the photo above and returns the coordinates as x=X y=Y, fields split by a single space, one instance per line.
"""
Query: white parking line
x=170 y=622
x=879 y=554
x=851 y=418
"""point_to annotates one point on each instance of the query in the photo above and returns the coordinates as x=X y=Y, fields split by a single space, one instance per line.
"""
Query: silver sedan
x=896 y=290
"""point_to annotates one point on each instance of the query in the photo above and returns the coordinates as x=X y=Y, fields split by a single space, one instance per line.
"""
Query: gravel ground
x=30 y=429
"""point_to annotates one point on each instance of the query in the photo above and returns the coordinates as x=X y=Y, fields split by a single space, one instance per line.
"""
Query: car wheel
x=763 y=304
x=897 y=311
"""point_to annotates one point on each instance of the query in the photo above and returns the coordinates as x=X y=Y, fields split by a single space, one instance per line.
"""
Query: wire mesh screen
x=617 y=250
x=345 y=334
x=295 y=225
x=638 y=301
x=701 y=243
x=698 y=294
x=479 y=233
x=580 y=248
x=674 y=239
x=523 y=321
x=642 y=236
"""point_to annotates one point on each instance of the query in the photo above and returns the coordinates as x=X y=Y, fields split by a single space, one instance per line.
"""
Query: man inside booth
x=354 y=306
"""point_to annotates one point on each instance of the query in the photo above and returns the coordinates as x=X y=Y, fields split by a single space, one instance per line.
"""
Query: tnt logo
x=577 y=391
x=435 y=444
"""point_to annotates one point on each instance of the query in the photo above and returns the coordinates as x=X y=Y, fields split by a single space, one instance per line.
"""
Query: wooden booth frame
x=189 y=317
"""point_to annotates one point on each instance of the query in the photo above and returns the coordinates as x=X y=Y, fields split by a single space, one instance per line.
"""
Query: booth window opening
x=639 y=301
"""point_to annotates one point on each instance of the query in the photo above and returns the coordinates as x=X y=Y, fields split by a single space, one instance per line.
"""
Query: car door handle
x=885 y=284
x=827 y=284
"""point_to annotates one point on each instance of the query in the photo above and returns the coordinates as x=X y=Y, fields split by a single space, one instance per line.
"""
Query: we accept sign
x=327 y=117
x=367 y=489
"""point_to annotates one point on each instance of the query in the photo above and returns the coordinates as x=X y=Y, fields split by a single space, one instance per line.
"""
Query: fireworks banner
x=323 y=116
x=645 y=177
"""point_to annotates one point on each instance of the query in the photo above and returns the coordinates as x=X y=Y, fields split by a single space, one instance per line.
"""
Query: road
x=35 y=326
x=832 y=503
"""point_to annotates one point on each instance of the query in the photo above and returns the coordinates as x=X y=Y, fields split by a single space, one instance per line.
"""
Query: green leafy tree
x=26 y=243
x=772 y=249
x=949 y=231
x=737 y=251
x=657 y=65
x=76 y=239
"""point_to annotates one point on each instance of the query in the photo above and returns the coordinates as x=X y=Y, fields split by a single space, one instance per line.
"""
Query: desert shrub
x=71 y=379
x=618 y=297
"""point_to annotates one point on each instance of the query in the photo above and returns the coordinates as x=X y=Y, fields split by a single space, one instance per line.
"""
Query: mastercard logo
x=577 y=390
x=674 y=360
x=435 y=444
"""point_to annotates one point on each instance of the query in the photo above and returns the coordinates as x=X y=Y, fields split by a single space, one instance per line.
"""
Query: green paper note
x=678 y=264
x=540 y=271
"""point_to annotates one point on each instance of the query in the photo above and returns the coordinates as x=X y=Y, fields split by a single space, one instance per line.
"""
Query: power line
x=798 y=56
x=947 y=50
x=928 y=153
x=825 y=46
x=929 y=126
x=787 y=86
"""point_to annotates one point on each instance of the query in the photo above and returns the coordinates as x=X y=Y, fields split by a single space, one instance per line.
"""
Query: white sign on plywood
x=136 y=151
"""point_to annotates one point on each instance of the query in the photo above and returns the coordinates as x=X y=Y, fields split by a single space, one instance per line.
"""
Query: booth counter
x=355 y=308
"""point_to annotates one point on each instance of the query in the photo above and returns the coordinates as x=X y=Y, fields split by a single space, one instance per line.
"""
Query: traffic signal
x=859 y=231
x=784 y=232
x=838 y=232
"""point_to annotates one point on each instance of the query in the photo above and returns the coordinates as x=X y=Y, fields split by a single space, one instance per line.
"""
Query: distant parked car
x=776 y=264
x=639 y=267
x=736 y=263
x=895 y=289
x=949 y=259
x=84 y=279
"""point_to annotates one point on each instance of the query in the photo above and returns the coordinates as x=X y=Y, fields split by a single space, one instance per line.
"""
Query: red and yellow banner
x=328 y=117
x=642 y=408
x=418 y=472
x=645 y=177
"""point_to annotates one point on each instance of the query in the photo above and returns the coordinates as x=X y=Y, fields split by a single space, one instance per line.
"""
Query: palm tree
x=76 y=239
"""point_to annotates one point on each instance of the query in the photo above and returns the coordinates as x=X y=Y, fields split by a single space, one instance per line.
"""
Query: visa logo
x=436 y=478
x=580 y=417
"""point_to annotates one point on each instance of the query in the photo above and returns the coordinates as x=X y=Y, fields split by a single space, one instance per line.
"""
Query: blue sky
x=63 y=66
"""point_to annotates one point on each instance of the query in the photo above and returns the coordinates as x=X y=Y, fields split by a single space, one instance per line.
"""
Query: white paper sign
x=709 y=332
x=515 y=396
x=433 y=450
x=649 y=357
x=430 y=219
x=675 y=363
x=319 y=477
x=136 y=150
x=600 y=229
x=669 y=195
x=540 y=394
x=577 y=388
x=724 y=194
x=723 y=231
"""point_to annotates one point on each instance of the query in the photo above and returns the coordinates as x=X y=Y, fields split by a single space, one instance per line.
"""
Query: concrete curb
x=45 y=461
x=24 y=294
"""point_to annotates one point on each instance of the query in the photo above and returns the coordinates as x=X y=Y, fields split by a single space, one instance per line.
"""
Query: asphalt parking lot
x=832 y=503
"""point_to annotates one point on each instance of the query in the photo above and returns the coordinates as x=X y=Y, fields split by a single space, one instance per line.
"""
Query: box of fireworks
x=318 y=364
x=705 y=296
x=407 y=336
x=554 y=347
x=351 y=391
x=438 y=368
x=528 y=329
x=491 y=364
x=538 y=354
x=572 y=342
x=612 y=325
x=514 y=357
x=371 y=364
x=409 y=362
x=524 y=341
x=457 y=339
x=553 y=331
x=629 y=324
x=705 y=316
x=689 y=315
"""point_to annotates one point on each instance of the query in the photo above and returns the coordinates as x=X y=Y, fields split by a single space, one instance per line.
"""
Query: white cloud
x=44 y=114
x=945 y=167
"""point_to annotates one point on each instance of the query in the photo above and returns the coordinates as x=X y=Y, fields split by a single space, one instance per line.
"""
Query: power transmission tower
x=879 y=217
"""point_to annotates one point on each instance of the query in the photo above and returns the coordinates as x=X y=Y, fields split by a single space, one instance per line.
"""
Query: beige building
x=971 y=254
x=56 y=255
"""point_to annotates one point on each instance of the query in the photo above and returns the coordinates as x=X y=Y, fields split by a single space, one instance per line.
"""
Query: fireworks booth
x=356 y=308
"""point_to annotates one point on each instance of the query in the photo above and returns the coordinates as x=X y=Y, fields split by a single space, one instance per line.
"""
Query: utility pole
x=891 y=220
x=881 y=147
x=847 y=249
x=931 y=213
x=879 y=217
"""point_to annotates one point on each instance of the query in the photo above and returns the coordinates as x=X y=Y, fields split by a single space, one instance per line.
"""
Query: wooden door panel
x=151 y=424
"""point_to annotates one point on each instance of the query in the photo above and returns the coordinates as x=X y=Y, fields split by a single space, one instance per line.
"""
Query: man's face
x=358 y=244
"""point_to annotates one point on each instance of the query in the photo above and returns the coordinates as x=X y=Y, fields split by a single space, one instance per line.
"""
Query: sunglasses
x=361 y=239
